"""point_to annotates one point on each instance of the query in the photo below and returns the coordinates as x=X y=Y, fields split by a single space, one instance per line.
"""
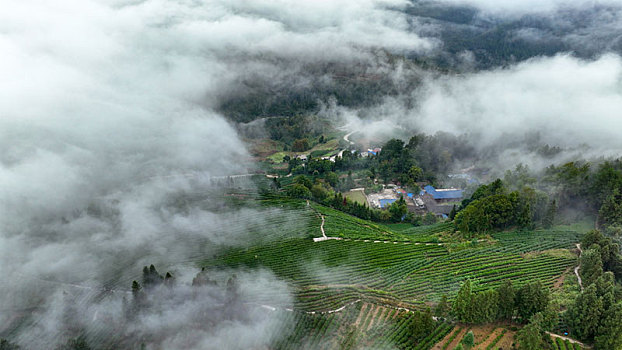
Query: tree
x=610 y=212
x=202 y=279
x=520 y=177
x=585 y=313
x=319 y=192
x=606 y=289
x=300 y=145
x=169 y=279
x=452 y=213
x=136 y=288
x=506 y=294
x=303 y=180
x=485 y=306
x=422 y=324
x=349 y=181
x=609 y=251
x=417 y=220
x=591 y=265
x=471 y=220
x=573 y=178
x=549 y=216
x=415 y=174
x=531 y=298
x=332 y=178
x=385 y=215
x=429 y=219
x=398 y=210
x=609 y=335
x=459 y=347
x=151 y=277
x=462 y=303
x=606 y=182
x=468 y=340
x=298 y=191
x=530 y=337
x=495 y=187
x=442 y=308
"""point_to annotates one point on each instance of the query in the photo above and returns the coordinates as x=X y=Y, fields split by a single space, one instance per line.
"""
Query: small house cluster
x=432 y=200
x=371 y=152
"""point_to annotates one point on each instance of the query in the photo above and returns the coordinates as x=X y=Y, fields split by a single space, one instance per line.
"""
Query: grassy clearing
x=357 y=196
x=559 y=253
x=278 y=157
x=581 y=226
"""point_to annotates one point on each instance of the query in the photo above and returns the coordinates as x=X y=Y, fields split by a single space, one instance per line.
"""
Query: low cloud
x=110 y=139
x=214 y=315
x=560 y=101
x=513 y=8
x=567 y=100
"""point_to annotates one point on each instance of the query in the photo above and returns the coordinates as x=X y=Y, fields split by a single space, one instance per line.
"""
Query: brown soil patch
x=361 y=313
x=373 y=317
x=457 y=339
x=490 y=339
x=440 y=344
x=506 y=342
x=559 y=282
x=481 y=332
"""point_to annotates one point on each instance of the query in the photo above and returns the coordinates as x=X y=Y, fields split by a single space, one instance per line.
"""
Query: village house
x=440 y=201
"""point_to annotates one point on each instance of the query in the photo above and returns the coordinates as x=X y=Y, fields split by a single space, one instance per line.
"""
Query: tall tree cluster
x=493 y=207
x=596 y=314
x=499 y=304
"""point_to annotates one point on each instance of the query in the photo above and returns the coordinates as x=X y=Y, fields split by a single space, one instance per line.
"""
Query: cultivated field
x=361 y=287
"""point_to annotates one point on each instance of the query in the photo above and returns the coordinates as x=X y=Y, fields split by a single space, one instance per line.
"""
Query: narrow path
x=272 y=308
x=569 y=339
x=407 y=242
x=324 y=237
x=576 y=269
x=388 y=306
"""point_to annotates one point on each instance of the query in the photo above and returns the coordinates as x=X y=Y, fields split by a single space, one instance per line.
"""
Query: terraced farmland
x=361 y=326
x=487 y=337
x=372 y=265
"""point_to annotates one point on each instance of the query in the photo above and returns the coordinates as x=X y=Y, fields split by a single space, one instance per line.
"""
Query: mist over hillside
x=120 y=123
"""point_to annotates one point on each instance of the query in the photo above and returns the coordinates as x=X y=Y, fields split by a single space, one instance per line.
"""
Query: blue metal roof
x=386 y=202
x=448 y=194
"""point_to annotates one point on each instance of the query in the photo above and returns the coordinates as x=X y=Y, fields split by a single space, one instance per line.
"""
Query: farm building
x=440 y=201
x=441 y=196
